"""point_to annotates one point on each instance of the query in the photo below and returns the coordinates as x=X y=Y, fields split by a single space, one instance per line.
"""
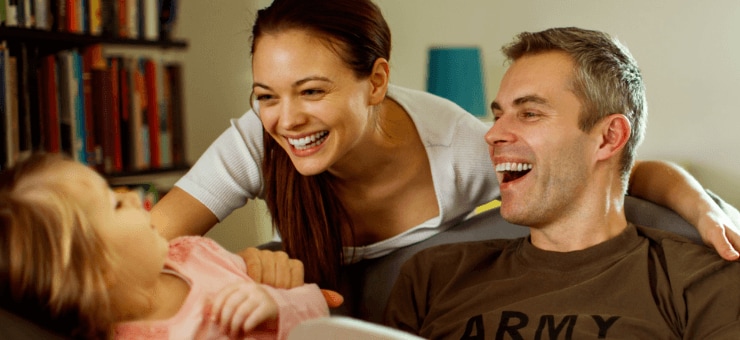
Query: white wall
x=689 y=52
x=217 y=86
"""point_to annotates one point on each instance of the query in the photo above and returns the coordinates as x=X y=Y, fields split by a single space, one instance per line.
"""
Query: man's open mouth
x=513 y=171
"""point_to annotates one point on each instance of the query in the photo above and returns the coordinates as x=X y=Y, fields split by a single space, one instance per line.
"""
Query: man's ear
x=615 y=131
x=379 y=79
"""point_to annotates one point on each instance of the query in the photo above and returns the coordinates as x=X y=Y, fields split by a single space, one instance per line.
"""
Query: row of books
x=119 y=114
x=131 y=19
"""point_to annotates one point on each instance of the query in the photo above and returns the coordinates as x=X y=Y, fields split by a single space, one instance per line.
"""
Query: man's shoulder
x=683 y=258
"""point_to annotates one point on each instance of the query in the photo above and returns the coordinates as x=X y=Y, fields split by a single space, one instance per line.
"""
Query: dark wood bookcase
x=34 y=45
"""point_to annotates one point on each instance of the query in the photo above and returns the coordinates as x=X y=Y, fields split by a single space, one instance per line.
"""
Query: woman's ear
x=615 y=131
x=379 y=79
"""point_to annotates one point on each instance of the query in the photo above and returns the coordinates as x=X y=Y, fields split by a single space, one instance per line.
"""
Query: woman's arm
x=179 y=214
x=671 y=186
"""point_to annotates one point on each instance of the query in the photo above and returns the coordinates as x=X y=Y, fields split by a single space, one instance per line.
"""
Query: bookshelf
x=62 y=90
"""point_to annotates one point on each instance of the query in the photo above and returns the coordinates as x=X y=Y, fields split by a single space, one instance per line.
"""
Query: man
x=569 y=115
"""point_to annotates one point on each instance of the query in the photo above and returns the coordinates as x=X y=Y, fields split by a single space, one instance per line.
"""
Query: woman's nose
x=291 y=114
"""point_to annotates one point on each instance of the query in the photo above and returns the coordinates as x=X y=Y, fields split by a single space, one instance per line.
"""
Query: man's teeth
x=513 y=167
x=308 y=141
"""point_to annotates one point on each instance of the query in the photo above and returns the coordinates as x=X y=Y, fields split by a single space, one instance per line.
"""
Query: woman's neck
x=391 y=183
x=388 y=142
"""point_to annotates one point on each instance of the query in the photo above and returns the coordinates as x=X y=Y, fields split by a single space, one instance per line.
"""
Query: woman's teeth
x=308 y=141
x=513 y=167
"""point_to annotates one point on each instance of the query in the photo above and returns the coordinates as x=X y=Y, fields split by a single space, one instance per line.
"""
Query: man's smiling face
x=540 y=155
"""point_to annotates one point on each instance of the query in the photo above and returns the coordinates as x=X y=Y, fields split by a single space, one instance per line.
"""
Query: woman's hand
x=276 y=269
x=241 y=307
x=718 y=230
x=273 y=268
x=671 y=186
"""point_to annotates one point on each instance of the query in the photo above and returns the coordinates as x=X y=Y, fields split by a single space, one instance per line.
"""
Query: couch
x=366 y=285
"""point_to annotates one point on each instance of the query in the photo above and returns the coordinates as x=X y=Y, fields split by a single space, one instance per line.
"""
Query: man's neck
x=584 y=227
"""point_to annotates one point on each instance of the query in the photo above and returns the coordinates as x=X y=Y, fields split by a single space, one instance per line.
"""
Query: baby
x=86 y=262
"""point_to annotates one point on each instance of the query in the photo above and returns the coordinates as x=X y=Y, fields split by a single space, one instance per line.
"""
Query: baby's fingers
x=250 y=314
x=220 y=301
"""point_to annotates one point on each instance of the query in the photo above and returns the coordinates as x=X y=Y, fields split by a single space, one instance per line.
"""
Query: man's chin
x=513 y=216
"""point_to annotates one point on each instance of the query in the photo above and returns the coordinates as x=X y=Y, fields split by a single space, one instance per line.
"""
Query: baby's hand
x=241 y=307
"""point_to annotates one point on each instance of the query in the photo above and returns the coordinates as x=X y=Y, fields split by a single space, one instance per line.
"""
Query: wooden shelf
x=53 y=41
x=163 y=179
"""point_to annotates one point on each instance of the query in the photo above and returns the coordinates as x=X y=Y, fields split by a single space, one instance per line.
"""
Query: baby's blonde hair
x=53 y=262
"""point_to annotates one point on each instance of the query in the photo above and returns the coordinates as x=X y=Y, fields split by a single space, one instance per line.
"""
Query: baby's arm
x=245 y=306
x=241 y=307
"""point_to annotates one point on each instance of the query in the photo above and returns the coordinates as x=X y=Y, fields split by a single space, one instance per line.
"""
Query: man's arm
x=671 y=186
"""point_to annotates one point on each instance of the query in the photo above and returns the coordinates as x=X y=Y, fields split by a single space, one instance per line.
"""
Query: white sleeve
x=230 y=171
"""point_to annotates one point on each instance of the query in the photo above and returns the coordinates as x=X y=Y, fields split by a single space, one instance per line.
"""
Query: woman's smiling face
x=310 y=102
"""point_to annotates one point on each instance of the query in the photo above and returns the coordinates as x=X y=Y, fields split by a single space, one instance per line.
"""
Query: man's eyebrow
x=296 y=84
x=522 y=100
x=530 y=99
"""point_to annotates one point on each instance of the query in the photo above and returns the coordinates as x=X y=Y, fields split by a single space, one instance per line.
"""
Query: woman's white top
x=229 y=172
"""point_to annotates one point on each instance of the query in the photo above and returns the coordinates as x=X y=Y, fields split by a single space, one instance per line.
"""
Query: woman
x=350 y=166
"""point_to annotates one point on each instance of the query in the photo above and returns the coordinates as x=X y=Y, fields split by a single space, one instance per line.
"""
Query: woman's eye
x=263 y=97
x=312 y=92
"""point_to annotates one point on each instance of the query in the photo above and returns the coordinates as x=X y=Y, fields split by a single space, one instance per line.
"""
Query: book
x=177 y=120
x=139 y=126
x=123 y=29
x=58 y=13
x=4 y=142
x=150 y=18
x=49 y=108
x=124 y=87
x=72 y=22
x=42 y=14
x=114 y=129
x=109 y=17
x=11 y=109
x=27 y=109
x=132 y=11
x=165 y=126
x=11 y=13
x=152 y=112
x=79 y=116
x=70 y=121
x=167 y=18
x=93 y=150
x=95 y=17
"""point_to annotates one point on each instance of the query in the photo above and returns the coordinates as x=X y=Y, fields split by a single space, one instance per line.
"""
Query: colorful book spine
x=80 y=130
x=152 y=111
